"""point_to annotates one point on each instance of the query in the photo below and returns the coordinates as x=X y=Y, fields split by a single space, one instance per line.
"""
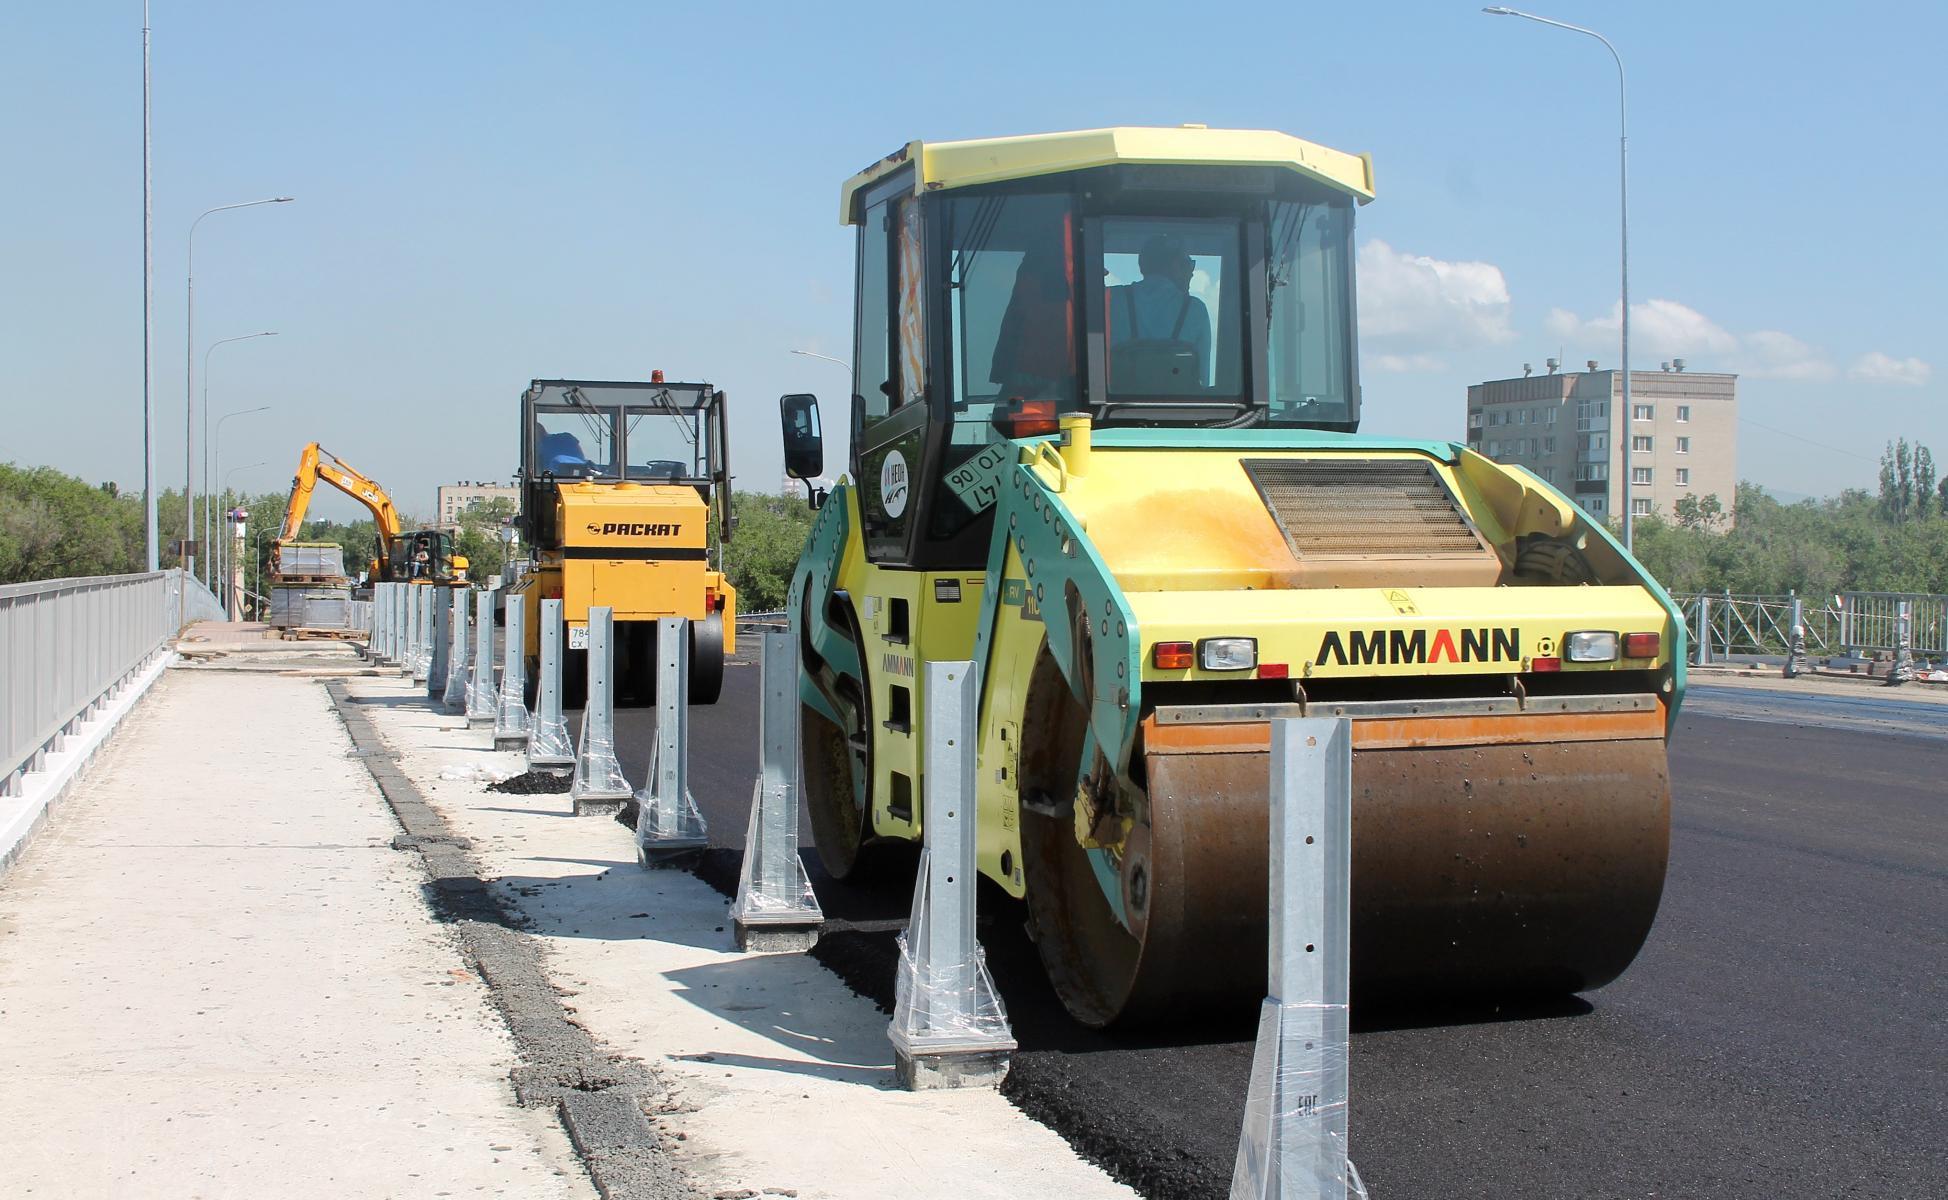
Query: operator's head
x=1164 y=257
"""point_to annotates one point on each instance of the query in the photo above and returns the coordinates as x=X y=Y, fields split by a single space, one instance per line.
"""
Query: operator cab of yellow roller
x=1104 y=443
x=619 y=484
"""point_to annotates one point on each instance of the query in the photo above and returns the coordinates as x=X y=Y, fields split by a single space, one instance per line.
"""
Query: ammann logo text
x=1383 y=647
x=634 y=529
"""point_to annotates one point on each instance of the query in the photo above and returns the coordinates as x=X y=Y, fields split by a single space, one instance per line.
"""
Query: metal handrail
x=1848 y=623
x=67 y=644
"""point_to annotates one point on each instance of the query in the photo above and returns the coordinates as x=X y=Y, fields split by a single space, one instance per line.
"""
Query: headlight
x=1228 y=653
x=1590 y=647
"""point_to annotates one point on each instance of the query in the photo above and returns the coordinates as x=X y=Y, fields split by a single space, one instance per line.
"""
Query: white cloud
x=1413 y=364
x=1658 y=328
x=1875 y=367
x=1770 y=354
x=1410 y=303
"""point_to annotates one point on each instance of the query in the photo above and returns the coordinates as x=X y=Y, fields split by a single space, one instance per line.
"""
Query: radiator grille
x=1352 y=508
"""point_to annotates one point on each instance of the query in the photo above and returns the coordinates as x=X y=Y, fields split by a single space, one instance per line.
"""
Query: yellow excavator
x=1104 y=443
x=420 y=556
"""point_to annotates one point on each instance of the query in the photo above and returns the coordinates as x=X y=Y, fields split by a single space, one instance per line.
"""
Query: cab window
x=662 y=444
x=872 y=362
x=574 y=443
x=1172 y=307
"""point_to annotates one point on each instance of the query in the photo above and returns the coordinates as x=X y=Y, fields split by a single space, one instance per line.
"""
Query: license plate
x=578 y=637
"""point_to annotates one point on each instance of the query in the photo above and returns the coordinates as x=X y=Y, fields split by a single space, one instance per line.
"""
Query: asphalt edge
x=45 y=790
x=602 y=1100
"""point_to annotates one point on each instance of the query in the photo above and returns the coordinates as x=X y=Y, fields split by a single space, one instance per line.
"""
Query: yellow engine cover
x=640 y=549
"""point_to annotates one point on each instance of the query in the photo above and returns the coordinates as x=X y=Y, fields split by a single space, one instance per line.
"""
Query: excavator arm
x=317 y=463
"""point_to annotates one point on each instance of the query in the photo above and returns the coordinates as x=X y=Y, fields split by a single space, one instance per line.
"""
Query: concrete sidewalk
x=218 y=979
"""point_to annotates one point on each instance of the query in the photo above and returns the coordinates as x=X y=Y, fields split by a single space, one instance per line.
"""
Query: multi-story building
x=1571 y=428
x=456 y=498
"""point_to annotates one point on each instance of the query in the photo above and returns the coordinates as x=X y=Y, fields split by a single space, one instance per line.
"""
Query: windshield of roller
x=1310 y=281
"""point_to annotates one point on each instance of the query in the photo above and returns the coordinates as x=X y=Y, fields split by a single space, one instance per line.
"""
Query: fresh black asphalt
x=1782 y=1034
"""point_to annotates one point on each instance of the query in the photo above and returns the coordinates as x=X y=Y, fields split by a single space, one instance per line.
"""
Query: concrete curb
x=22 y=816
x=602 y=1100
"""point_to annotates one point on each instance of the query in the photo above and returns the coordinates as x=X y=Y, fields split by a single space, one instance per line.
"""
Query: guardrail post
x=423 y=656
x=1703 y=657
x=480 y=689
x=511 y=714
x=548 y=745
x=776 y=909
x=381 y=622
x=403 y=602
x=599 y=788
x=1293 y=1146
x=436 y=664
x=949 y=1028
x=455 y=697
x=1903 y=668
x=668 y=824
x=1796 y=642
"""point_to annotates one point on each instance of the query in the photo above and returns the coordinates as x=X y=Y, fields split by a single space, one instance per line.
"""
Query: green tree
x=760 y=557
x=479 y=538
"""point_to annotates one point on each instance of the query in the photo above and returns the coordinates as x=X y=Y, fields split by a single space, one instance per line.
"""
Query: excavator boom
x=317 y=463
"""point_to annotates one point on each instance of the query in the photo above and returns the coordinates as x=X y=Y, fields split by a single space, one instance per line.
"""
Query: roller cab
x=1104 y=443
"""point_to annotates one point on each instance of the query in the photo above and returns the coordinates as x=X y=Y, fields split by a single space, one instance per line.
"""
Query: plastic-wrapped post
x=599 y=788
x=455 y=698
x=441 y=642
x=511 y=714
x=949 y=1028
x=776 y=909
x=1796 y=641
x=668 y=824
x=548 y=746
x=402 y=649
x=1294 y=1140
x=423 y=658
x=381 y=621
x=1903 y=668
x=480 y=689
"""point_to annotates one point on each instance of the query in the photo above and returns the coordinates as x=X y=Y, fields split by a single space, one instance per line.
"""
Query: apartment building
x=456 y=498
x=1572 y=431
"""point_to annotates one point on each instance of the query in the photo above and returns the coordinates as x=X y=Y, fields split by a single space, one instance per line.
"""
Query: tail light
x=1172 y=656
x=1642 y=645
x=1545 y=664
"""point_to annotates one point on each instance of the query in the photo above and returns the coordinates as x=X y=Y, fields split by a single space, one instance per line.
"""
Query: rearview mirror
x=804 y=443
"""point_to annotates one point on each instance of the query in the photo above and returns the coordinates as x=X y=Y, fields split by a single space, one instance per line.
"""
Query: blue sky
x=491 y=192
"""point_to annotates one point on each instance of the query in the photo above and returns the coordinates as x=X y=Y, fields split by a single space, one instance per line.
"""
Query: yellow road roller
x=1104 y=442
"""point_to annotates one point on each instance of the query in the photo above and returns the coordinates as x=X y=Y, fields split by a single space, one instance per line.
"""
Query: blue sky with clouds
x=490 y=192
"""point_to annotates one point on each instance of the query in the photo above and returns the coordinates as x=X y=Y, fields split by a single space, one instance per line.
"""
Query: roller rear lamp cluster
x=1601 y=646
x=1216 y=654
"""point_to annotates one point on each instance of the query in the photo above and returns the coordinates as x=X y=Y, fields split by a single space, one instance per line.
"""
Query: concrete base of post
x=795 y=937
x=511 y=741
x=670 y=852
x=599 y=806
x=937 y=1070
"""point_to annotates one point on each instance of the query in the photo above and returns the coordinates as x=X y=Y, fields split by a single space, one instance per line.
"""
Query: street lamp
x=838 y=362
x=1623 y=176
x=206 y=435
x=222 y=562
x=189 y=363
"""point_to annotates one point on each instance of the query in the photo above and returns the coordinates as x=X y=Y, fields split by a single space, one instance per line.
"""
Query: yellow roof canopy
x=988 y=160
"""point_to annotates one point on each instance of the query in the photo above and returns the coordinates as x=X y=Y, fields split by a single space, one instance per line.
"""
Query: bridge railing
x=1724 y=623
x=66 y=643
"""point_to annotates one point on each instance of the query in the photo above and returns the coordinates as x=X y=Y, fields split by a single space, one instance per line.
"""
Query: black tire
x=636 y=663
x=707 y=659
x=531 y=682
x=574 y=679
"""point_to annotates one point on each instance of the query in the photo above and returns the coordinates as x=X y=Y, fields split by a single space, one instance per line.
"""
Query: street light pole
x=840 y=362
x=223 y=564
x=189 y=370
x=206 y=437
x=1623 y=190
x=148 y=318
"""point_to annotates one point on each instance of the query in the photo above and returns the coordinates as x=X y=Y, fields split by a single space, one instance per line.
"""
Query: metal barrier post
x=599 y=788
x=548 y=744
x=1703 y=658
x=668 y=824
x=1293 y=1146
x=402 y=601
x=1903 y=668
x=409 y=648
x=381 y=622
x=455 y=697
x=480 y=689
x=776 y=909
x=511 y=714
x=423 y=655
x=949 y=1028
x=436 y=664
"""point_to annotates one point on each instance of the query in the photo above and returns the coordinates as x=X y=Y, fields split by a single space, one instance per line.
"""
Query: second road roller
x=1104 y=443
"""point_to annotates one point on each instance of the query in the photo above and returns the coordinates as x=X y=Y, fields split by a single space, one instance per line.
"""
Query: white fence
x=65 y=643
